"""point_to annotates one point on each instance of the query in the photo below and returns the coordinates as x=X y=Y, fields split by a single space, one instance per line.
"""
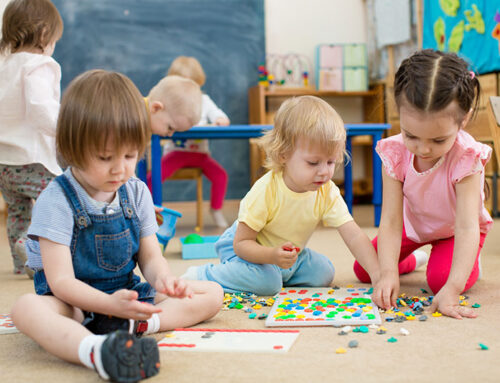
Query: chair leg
x=199 y=203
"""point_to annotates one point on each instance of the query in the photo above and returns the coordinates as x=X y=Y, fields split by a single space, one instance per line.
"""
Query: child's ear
x=282 y=158
x=467 y=118
x=156 y=106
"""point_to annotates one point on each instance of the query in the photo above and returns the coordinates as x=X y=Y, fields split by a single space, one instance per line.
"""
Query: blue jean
x=235 y=274
x=103 y=247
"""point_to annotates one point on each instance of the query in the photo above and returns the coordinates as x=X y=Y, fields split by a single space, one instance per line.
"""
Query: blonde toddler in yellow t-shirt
x=265 y=249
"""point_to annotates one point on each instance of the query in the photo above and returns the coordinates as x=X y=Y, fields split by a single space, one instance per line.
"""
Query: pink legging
x=439 y=264
x=211 y=169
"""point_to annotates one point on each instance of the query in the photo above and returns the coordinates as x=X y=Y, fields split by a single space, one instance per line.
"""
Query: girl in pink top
x=433 y=183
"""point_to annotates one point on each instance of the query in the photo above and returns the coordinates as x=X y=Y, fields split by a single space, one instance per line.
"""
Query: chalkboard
x=140 y=38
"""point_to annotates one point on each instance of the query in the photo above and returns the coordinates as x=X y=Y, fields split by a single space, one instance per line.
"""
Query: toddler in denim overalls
x=90 y=228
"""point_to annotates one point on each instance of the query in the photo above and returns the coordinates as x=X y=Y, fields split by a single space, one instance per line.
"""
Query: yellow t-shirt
x=280 y=215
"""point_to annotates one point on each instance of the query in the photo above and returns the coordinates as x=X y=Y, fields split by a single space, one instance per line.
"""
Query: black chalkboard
x=140 y=38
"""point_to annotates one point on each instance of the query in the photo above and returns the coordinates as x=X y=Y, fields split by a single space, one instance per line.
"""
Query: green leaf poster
x=471 y=28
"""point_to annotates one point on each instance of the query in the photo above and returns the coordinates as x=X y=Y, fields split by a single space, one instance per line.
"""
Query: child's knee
x=361 y=273
x=323 y=270
x=436 y=279
x=270 y=281
x=216 y=292
x=22 y=306
x=327 y=274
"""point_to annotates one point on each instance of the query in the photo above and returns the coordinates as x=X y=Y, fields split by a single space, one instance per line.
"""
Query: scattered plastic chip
x=353 y=343
x=476 y=305
x=404 y=331
x=340 y=350
x=483 y=346
x=392 y=340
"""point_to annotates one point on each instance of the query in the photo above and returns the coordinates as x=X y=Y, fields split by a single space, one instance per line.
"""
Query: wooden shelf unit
x=263 y=103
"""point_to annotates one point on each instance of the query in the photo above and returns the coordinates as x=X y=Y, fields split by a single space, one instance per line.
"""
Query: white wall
x=299 y=25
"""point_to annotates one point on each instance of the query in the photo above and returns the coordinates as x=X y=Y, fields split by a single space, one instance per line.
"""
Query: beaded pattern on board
x=323 y=307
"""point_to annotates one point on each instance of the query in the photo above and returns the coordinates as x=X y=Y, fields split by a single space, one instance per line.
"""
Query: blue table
x=250 y=131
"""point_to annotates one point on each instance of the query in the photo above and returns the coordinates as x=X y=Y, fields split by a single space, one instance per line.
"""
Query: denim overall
x=103 y=247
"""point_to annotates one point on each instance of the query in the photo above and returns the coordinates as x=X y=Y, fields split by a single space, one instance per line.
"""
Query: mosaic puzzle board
x=232 y=340
x=323 y=307
x=6 y=325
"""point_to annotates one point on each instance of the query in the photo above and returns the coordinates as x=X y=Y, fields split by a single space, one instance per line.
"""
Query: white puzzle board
x=303 y=306
x=232 y=340
x=6 y=325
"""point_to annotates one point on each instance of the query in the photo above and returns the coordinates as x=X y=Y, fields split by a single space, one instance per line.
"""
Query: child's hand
x=125 y=305
x=173 y=287
x=446 y=302
x=286 y=255
x=386 y=291
x=222 y=121
x=158 y=209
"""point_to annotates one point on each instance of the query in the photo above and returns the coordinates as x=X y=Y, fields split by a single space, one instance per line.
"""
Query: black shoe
x=125 y=358
x=100 y=324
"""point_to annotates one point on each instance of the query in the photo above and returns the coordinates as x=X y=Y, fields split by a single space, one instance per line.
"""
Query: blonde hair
x=179 y=94
x=30 y=24
x=188 y=67
x=96 y=107
x=305 y=118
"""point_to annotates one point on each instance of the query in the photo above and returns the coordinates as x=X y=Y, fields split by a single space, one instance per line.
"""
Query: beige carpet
x=441 y=349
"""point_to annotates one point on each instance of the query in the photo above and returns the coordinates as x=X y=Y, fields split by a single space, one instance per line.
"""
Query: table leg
x=142 y=169
x=156 y=169
x=348 y=197
x=377 y=180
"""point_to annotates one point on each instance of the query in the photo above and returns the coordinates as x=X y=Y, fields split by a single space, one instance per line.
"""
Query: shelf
x=264 y=102
x=287 y=92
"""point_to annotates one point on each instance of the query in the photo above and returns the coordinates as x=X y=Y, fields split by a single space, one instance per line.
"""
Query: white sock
x=153 y=324
x=421 y=258
x=219 y=218
x=87 y=345
x=191 y=273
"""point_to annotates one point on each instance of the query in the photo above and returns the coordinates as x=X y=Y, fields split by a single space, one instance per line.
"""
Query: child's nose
x=425 y=149
x=323 y=169
x=118 y=167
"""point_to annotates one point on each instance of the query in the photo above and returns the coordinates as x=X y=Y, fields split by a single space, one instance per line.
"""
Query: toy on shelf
x=292 y=70
x=195 y=246
x=341 y=67
x=166 y=219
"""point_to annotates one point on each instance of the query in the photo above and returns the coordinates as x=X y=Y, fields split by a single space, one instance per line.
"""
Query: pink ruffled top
x=429 y=198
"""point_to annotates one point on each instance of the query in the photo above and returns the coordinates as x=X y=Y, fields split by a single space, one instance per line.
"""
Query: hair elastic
x=472 y=74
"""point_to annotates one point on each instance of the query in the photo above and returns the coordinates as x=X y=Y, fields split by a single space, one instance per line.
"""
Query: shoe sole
x=127 y=358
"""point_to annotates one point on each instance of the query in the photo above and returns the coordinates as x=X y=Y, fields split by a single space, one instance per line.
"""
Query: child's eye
x=312 y=163
x=331 y=162
x=439 y=141
x=105 y=158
